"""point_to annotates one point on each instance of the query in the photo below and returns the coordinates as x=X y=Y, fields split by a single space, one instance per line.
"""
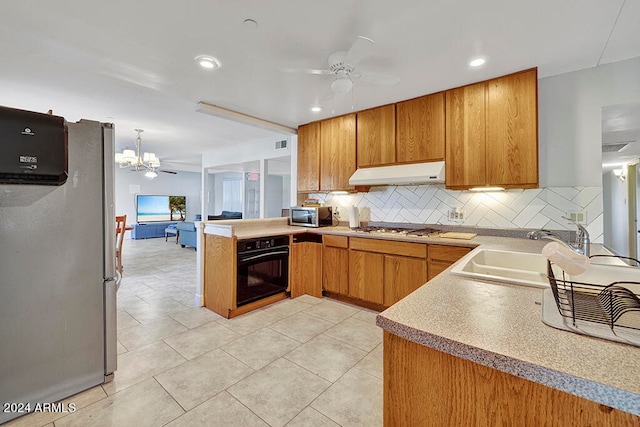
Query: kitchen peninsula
x=468 y=352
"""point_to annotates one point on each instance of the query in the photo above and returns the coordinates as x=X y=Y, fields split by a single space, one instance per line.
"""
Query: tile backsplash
x=431 y=204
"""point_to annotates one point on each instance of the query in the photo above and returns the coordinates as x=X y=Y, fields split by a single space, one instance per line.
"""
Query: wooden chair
x=121 y=222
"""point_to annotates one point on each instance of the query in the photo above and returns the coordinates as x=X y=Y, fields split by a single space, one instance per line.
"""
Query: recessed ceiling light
x=250 y=24
x=316 y=109
x=208 y=62
x=477 y=62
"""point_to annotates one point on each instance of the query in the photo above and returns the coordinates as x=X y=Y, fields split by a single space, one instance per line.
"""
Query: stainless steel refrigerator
x=57 y=276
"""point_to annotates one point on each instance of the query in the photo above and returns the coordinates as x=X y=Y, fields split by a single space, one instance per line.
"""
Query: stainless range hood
x=410 y=174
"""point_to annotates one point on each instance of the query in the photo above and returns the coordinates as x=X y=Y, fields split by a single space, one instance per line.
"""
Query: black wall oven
x=263 y=268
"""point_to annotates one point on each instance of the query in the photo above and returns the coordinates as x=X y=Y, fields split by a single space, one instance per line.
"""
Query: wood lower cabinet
x=337 y=152
x=376 y=136
x=426 y=387
x=366 y=276
x=309 y=158
x=382 y=271
x=385 y=271
x=305 y=269
x=221 y=278
x=492 y=133
x=335 y=264
x=220 y=268
x=440 y=257
x=420 y=129
x=393 y=247
x=402 y=275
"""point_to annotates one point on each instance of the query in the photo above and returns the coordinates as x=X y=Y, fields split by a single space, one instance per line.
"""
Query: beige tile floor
x=302 y=362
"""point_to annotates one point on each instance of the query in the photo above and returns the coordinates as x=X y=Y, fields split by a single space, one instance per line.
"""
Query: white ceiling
x=132 y=62
x=620 y=131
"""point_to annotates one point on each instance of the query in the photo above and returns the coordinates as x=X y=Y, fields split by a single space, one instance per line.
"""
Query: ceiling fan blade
x=381 y=79
x=305 y=71
x=328 y=95
x=359 y=49
x=166 y=171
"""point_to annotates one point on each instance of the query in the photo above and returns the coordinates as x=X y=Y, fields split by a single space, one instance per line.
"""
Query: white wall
x=616 y=214
x=216 y=207
x=286 y=193
x=273 y=199
x=128 y=184
x=255 y=153
x=570 y=120
x=210 y=197
x=245 y=153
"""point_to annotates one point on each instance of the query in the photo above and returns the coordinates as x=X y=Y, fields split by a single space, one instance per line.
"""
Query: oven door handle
x=265 y=255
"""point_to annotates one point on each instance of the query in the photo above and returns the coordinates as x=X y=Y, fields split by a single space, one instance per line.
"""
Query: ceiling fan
x=342 y=65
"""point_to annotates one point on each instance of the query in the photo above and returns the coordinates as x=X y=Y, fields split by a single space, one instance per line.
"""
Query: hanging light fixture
x=342 y=84
x=133 y=160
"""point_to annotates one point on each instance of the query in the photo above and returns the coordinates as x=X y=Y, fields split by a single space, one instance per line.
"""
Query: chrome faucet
x=581 y=245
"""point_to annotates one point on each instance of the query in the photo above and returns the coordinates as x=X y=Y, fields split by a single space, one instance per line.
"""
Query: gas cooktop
x=403 y=231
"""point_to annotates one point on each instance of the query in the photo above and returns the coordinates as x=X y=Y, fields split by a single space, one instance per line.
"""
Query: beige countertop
x=500 y=326
x=255 y=228
x=496 y=325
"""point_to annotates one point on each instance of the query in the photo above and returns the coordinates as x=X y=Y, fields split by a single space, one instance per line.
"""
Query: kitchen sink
x=530 y=269
x=521 y=268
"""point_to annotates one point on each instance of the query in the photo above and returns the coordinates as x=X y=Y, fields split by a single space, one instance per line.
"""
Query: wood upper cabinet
x=309 y=158
x=512 y=130
x=492 y=133
x=337 y=152
x=420 y=129
x=465 y=137
x=376 y=136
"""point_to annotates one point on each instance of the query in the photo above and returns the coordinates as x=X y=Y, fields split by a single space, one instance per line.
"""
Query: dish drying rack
x=602 y=304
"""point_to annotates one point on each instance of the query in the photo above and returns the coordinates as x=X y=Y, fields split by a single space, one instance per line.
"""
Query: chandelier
x=133 y=160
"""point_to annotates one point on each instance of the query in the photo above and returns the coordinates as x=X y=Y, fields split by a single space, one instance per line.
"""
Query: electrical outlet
x=456 y=215
x=578 y=216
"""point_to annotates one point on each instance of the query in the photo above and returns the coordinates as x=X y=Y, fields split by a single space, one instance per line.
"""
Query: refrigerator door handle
x=110 y=328
x=108 y=201
x=109 y=268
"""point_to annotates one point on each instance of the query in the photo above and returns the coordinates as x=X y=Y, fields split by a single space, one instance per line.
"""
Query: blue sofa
x=187 y=235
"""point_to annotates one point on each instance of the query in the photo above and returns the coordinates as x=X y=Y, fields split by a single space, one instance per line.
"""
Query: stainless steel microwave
x=311 y=217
